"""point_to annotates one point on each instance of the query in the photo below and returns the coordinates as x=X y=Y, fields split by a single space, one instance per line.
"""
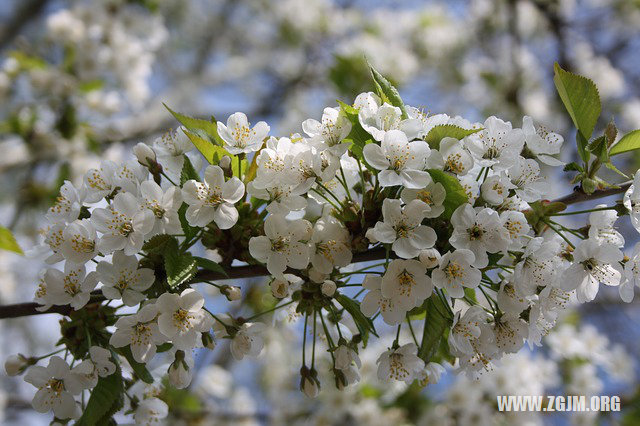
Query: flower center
x=56 y=385
x=182 y=319
x=475 y=232
x=126 y=229
x=397 y=369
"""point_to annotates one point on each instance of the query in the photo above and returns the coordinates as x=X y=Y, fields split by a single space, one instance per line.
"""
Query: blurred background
x=82 y=81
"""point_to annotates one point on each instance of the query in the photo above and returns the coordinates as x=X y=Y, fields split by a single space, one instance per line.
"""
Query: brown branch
x=235 y=272
x=251 y=271
x=24 y=13
x=579 y=196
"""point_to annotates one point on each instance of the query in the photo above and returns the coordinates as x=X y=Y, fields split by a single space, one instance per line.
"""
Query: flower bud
x=316 y=276
x=328 y=288
x=225 y=162
x=145 y=155
x=16 y=364
x=279 y=288
x=430 y=258
x=309 y=384
x=179 y=371
x=208 y=340
x=232 y=292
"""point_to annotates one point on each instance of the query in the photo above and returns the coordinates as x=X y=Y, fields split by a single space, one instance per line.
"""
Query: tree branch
x=579 y=196
x=250 y=271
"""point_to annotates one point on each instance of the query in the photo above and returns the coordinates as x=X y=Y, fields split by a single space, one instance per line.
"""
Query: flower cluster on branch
x=472 y=248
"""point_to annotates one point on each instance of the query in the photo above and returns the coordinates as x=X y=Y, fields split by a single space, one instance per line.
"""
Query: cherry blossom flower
x=164 y=205
x=456 y=272
x=631 y=201
x=542 y=143
x=400 y=364
x=400 y=162
x=331 y=130
x=392 y=312
x=122 y=279
x=331 y=245
x=480 y=231
x=594 y=263
x=247 y=339
x=402 y=228
x=141 y=332
x=284 y=244
x=181 y=318
x=124 y=225
x=67 y=206
x=601 y=227
x=71 y=287
x=79 y=241
x=150 y=411
x=406 y=283
x=213 y=200
x=631 y=278
x=57 y=385
x=453 y=157
x=497 y=145
x=432 y=195
x=239 y=136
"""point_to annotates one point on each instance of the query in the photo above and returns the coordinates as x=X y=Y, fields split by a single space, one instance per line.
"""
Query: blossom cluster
x=455 y=211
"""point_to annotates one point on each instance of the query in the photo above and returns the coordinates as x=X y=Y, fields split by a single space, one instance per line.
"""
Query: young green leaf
x=437 y=133
x=188 y=171
x=387 y=92
x=437 y=320
x=581 y=99
x=106 y=399
x=180 y=267
x=210 y=265
x=628 y=142
x=212 y=153
x=357 y=136
x=158 y=243
x=456 y=195
x=207 y=130
x=364 y=324
x=599 y=148
x=8 y=241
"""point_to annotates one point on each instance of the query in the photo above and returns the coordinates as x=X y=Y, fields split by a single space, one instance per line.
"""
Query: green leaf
x=628 y=142
x=573 y=167
x=180 y=267
x=164 y=347
x=212 y=153
x=364 y=324
x=106 y=399
x=437 y=320
x=456 y=195
x=599 y=148
x=441 y=131
x=387 y=92
x=207 y=130
x=189 y=231
x=138 y=368
x=28 y=62
x=8 y=241
x=581 y=99
x=611 y=166
x=358 y=136
x=188 y=171
x=210 y=265
x=91 y=85
x=234 y=165
x=582 y=145
x=157 y=243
